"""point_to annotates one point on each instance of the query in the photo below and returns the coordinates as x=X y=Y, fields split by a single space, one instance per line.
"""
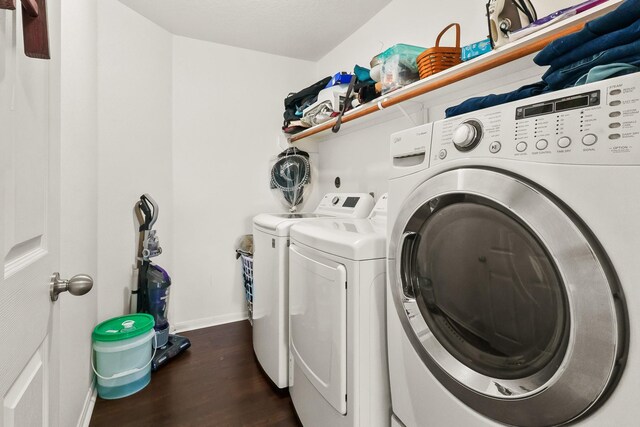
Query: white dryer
x=513 y=263
x=339 y=374
x=271 y=276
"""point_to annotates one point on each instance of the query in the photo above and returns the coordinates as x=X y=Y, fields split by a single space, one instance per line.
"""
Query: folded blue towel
x=608 y=41
x=602 y=72
x=568 y=75
x=480 y=102
x=622 y=17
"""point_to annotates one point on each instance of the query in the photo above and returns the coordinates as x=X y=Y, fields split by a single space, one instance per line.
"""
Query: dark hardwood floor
x=217 y=382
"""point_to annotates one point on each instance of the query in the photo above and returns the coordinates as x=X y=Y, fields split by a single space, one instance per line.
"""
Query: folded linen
x=568 y=75
x=480 y=102
x=625 y=15
x=602 y=72
x=616 y=38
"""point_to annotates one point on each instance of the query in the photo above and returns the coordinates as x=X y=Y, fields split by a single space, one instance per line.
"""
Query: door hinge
x=273 y=243
x=345 y=285
x=288 y=243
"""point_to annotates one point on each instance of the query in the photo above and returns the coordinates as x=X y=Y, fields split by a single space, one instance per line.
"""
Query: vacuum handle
x=149 y=208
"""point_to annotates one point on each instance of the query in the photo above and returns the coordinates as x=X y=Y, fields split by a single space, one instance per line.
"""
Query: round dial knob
x=467 y=135
x=335 y=200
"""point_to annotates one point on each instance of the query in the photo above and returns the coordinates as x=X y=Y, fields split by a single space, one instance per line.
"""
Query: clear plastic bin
x=122 y=355
x=399 y=67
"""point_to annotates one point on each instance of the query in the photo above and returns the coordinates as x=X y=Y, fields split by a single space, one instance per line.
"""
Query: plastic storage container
x=399 y=67
x=122 y=351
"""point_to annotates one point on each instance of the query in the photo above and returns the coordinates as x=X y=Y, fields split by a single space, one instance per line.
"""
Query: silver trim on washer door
x=575 y=378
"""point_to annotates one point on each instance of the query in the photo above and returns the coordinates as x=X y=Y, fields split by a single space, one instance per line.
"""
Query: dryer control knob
x=467 y=135
x=335 y=200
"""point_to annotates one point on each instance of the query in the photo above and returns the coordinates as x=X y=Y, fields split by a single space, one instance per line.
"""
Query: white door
x=29 y=226
x=318 y=323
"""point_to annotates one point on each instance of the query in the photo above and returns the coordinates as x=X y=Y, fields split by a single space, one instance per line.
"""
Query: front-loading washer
x=513 y=263
x=339 y=374
x=271 y=276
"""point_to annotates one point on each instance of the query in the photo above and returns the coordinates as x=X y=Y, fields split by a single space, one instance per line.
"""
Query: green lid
x=123 y=327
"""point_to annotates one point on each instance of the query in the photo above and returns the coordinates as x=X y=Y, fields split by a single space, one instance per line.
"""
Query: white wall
x=228 y=105
x=415 y=22
x=79 y=202
x=134 y=149
x=164 y=130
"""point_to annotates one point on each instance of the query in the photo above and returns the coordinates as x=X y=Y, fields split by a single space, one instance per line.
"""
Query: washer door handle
x=408 y=243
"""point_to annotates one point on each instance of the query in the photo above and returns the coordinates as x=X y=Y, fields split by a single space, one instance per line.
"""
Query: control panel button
x=494 y=147
x=615 y=103
x=614 y=125
x=564 y=142
x=521 y=146
x=614 y=136
x=464 y=135
x=615 y=92
x=542 y=144
x=614 y=114
x=442 y=154
x=589 y=139
x=335 y=200
x=467 y=135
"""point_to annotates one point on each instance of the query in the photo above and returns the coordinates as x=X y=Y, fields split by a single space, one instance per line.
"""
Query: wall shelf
x=511 y=52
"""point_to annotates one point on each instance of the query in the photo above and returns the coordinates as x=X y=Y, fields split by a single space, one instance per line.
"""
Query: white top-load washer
x=339 y=374
x=271 y=276
x=513 y=263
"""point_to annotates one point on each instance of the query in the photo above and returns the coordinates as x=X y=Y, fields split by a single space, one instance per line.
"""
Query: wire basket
x=247 y=279
x=436 y=59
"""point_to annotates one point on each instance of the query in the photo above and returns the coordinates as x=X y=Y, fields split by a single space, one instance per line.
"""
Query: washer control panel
x=592 y=124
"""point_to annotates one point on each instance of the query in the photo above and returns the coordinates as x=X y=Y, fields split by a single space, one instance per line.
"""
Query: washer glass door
x=488 y=290
x=495 y=282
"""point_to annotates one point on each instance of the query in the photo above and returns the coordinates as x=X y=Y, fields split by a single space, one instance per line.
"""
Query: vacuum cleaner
x=152 y=293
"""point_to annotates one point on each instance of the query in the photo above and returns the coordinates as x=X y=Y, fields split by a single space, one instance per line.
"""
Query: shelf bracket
x=407 y=115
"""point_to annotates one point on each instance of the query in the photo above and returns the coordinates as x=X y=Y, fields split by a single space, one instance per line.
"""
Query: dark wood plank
x=8 y=4
x=35 y=29
x=217 y=382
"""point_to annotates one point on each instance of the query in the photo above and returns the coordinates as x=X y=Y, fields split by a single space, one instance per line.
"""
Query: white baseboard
x=89 y=404
x=206 y=322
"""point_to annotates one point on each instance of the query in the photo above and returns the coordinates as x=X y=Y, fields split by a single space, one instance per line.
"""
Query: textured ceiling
x=304 y=29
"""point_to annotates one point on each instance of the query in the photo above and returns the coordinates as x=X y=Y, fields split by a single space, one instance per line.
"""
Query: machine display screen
x=588 y=99
x=583 y=101
x=538 y=109
x=350 y=202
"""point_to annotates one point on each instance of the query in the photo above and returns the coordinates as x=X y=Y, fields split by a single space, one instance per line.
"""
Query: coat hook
x=8 y=4
x=34 y=26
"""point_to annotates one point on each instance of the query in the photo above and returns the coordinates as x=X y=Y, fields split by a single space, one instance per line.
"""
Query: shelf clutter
x=520 y=48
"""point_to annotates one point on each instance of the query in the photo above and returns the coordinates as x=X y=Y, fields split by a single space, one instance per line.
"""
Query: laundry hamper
x=244 y=251
x=247 y=279
x=436 y=59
